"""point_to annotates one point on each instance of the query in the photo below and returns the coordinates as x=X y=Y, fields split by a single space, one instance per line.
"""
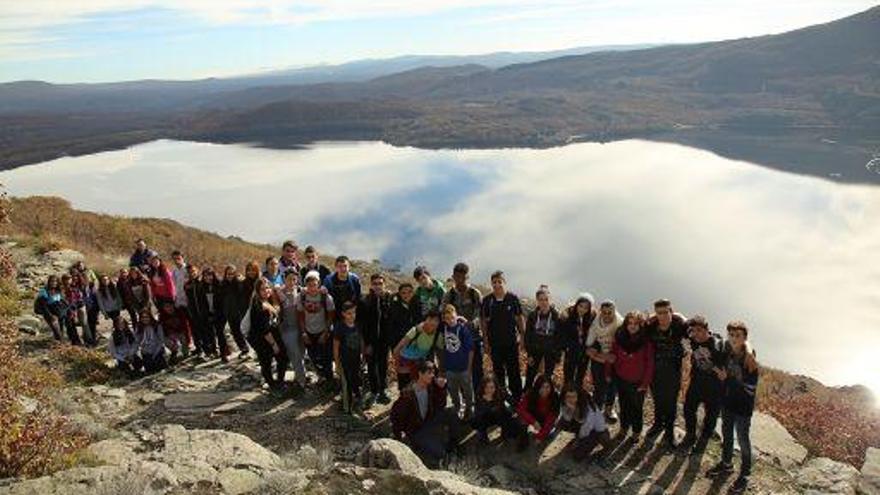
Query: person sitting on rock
x=538 y=409
x=591 y=428
x=124 y=349
x=177 y=332
x=740 y=378
x=419 y=417
x=151 y=342
x=491 y=410
x=51 y=306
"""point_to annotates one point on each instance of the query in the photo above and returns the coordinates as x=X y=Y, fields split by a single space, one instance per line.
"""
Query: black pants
x=320 y=354
x=436 y=437
x=632 y=406
x=154 y=363
x=603 y=390
x=351 y=380
x=92 y=322
x=708 y=393
x=203 y=335
x=575 y=367
x=664 y=391
x=478 y=363
x=538 y=356
x=583 y=447
x=132 y=315
x=377 y=368
x=235 y=330
x=131 y=367
x=72 y=332
x=217 y=338
x=265 y=356
x=505 y=364
x=510 y=427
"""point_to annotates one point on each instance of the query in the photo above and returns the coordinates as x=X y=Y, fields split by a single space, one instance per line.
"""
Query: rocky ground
x=207 y=427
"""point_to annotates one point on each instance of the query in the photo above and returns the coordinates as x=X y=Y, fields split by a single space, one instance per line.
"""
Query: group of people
x=437 y=337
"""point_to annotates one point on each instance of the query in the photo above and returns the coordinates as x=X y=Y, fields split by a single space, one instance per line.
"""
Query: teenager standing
x=503 y=326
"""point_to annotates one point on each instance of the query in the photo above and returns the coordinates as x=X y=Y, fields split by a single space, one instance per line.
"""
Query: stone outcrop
x=825 y=476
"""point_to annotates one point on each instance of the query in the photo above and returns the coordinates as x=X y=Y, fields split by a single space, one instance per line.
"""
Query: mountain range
x=824 y=77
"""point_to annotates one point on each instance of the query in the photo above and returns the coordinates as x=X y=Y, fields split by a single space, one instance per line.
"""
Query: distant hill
x=824 y=77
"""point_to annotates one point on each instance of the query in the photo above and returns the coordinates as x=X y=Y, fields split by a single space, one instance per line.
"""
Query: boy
x=348 y=346
x=289 y=261
x=429 y=292
x=705 y=386
x=343 y=285
x=666 y=330
x=503 y=325
x=467 y=299
x=316 y=312
x=374 y=315
x=457 y=360
x=740 y=378
x=312 y=263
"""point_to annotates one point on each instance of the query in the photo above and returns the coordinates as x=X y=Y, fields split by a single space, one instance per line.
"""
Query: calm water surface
x=794 y=256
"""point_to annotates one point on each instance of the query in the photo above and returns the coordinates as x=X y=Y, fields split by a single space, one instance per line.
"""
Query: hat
x=585 y=296
x=313 y=274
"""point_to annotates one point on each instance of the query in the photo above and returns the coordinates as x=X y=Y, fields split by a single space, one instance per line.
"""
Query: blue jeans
x=742 y=424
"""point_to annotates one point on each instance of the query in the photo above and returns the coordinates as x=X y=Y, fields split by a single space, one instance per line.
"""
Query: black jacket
x=374 y=314
x=668 y=348
x=543 y=344
x=402 y=318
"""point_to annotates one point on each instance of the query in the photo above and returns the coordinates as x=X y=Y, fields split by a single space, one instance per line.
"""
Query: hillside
x=810 y=410
x=822 y=77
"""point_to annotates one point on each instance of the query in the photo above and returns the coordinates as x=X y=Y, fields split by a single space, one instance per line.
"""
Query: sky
x=114 y=40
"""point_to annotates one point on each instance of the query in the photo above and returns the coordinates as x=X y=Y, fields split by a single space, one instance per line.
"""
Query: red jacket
x=405 y=416
x=636 y=367
x=545 y=410
x=162 y=284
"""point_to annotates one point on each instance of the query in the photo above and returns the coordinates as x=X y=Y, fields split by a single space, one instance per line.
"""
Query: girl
x=571 y=411
x=538 y=408
x=592 y=429
x=109 y=299
x=161 y=282
x=577 y=324
x=234 y=307
x=176 y=329
x=51 y=306
x=491 y=410
x=141 y=298
x=290 y=329
x=264 y=335
x=599 y=340
x=124 y=348
x=123 y=286
x=272 y=273
x=76 y=314
x=633 y=371
x=211 y=302
x=151 y=342
x=542 y=336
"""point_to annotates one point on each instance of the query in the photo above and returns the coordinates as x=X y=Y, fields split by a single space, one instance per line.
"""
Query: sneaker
x=720 y=469
x=655 y=430
x=243 y=355
x=740 y=485
x=610 y=415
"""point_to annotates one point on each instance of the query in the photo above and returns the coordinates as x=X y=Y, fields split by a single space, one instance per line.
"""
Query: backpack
x=431 y=352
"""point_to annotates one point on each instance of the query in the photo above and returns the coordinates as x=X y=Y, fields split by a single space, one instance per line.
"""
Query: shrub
x=81 y=365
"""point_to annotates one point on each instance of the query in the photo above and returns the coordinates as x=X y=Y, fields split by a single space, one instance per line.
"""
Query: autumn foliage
x=34 y=438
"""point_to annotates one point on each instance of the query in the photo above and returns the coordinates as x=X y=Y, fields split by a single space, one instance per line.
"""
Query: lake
x=794 y=256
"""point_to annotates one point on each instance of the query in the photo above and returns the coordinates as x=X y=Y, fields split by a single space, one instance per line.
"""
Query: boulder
x=825 y=476
x=386 y=453
x=236 y=481
x=29 y=324
x=869 y=484
x=113 y=452
x=217 y=448
x=771 y=439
